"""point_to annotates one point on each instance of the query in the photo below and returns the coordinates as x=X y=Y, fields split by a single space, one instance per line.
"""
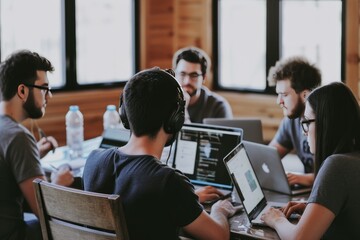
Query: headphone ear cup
x=123 y=115
x=176 y=120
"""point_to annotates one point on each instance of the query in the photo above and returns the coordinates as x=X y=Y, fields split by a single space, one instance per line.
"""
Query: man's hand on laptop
x=208 y=194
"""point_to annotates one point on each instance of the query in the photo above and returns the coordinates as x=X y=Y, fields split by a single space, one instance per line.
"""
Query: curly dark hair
x=302 y=74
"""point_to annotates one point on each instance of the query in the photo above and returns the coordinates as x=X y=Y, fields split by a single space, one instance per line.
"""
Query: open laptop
x=252 y=127
x=246 y=184
x=270 y=170
x=199 y=152
x=114 y=137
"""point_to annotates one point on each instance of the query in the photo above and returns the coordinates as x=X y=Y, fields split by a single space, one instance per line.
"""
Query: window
x=251 y=35
x=90 y=42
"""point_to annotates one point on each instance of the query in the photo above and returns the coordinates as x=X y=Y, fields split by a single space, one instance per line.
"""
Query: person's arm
x=306 y=179
x=27 y=190
x=62 y=177
x=208 y=193
x=214 y=226
x=281 y=149
x=46 y=144
x=314 y=222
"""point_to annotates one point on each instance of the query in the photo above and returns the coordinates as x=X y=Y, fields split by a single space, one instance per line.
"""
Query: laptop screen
x=200 y=150
x=245 y=180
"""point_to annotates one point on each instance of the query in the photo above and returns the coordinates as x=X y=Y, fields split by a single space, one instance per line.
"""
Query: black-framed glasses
x=193 y=76
x=47 y=89
x=305 y=124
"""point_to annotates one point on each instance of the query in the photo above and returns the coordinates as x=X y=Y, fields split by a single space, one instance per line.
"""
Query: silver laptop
x=252 y=127
x=199 y=152
x=246 y=184
x=270 y=170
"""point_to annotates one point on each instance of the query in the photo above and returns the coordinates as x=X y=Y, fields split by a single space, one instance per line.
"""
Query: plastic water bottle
x=74 y=132
x=111 y=118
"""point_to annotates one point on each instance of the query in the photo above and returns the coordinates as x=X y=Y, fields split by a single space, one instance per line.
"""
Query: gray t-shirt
x=19 y=160
x=336 y=187
x=290 y=136
x=209 y=105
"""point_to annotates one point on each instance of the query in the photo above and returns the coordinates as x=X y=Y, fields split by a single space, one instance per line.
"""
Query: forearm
x=285 y=229
x=307 y=179
x=222 y=221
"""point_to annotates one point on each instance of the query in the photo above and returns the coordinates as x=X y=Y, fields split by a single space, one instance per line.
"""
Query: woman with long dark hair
x=332 y=125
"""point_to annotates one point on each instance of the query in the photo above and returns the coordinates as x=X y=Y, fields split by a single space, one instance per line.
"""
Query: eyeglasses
x=47 y=89
x=305 y=124
x=193 y=76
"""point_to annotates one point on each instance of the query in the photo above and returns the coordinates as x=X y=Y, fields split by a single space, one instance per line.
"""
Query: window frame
x=68 y=52
x=273 y=43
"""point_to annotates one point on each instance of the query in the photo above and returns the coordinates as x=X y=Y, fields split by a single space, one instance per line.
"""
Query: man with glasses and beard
x=191 y=67
x=295 y=78
x=25 y=92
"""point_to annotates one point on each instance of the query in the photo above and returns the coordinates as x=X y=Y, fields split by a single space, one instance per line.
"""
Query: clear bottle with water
x=111 y=118
x=74 y=132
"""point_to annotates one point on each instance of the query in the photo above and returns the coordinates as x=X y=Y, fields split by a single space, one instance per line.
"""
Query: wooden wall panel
x=156 y=33
x=92 y=105
x=166 y=26
x=352 y=69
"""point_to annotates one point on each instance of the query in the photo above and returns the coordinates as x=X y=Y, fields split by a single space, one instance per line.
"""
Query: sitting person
x=25 y=92
x=331 y=123
x=191 y=67
x=295 y=78
x=157 y=199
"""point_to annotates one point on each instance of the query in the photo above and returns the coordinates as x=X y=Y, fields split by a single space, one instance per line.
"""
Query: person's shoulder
x=340 y=159
x=293 y=122
x=213 y=95
x=10 y=126
x=100 y=153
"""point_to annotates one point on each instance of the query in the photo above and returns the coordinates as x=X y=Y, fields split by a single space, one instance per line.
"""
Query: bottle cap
x=74 y=108
x=111 y=107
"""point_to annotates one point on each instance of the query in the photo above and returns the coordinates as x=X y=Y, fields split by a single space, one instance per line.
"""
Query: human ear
x=21 y=92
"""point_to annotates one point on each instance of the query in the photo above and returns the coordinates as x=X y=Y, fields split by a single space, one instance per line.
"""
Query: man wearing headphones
x=191 y=66
x=157 y=199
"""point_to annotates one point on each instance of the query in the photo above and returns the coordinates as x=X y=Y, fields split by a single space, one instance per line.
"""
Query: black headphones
x=176 y=119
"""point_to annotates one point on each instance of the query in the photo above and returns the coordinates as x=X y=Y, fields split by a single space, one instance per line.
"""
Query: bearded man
x=25 y=92
x=191 y=66
x=295 y=78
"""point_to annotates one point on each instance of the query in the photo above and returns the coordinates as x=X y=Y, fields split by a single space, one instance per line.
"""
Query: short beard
x=298 y=110
x=30 y=108
x=193 y=93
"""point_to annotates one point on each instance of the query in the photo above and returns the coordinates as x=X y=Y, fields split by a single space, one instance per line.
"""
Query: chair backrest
x=67 y=213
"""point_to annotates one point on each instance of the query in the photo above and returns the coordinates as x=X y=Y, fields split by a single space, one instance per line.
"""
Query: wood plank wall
x=92 y=104
x=166 y=26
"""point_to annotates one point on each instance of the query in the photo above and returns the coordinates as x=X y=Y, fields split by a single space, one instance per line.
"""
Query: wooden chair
x=67 y=213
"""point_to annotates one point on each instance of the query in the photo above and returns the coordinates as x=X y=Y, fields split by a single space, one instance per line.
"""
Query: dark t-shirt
x=290 y=136
x=19 y=160
x=157 y=200
x=336 y=187
x=209 y=105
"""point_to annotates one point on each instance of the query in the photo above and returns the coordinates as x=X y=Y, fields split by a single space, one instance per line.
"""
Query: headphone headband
x=176 y=118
